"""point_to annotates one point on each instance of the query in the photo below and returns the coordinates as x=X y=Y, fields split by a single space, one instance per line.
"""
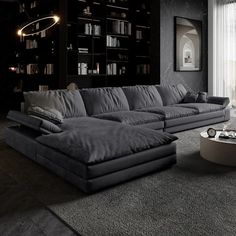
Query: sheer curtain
x=224 y=64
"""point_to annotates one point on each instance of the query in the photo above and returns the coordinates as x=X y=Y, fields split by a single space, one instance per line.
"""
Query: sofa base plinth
x=198 y=124
x=102 y=182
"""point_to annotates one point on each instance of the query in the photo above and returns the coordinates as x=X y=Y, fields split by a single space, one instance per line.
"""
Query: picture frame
x=188 y=44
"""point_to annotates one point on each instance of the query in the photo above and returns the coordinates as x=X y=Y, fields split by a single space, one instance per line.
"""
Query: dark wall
x=196 y=81
x=7 y=47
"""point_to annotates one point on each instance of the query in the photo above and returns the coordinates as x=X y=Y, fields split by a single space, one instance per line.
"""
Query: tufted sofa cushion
x=171 y=94
x=142 y=96
x=68 y=103
x=104 y=100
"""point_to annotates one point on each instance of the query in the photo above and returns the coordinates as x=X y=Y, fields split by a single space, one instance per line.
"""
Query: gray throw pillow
x=47 y=113
x=202 y=97
x=142 y=96
x=47 y=127
x=35 y=123
x=182 y=90
x=190 y=98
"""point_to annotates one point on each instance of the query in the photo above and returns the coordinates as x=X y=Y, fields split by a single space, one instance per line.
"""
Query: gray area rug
x=194 y=197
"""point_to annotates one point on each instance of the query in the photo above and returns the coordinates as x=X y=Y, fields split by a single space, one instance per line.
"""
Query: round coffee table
x=218 y=150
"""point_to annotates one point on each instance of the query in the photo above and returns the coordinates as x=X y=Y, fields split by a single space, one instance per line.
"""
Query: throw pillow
x=47 y=113
x=32 y=122
x=202 y=97
x=190 y=98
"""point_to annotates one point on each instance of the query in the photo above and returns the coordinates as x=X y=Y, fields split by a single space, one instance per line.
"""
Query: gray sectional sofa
x=95 y=138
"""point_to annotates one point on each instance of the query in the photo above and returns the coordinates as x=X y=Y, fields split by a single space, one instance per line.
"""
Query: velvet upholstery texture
x=142 y=96
x=73 y=104
x=93 y=140
x=201 y=107
x=202 y=97
x=131 y=117
x=68 y=103
x=170 y=94
x=224 y=101
x=51 y=98
x=190 y=98
x=35 y=123
x=46 y=113
x=104 y=100
x=171 y=112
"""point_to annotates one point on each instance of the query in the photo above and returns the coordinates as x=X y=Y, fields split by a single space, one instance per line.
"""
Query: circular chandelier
x=37 y=26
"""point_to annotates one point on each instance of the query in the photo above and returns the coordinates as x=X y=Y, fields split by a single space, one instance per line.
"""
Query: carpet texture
x=194 y=197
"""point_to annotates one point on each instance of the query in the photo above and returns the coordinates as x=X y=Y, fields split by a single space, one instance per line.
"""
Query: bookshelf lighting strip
x=55 y=19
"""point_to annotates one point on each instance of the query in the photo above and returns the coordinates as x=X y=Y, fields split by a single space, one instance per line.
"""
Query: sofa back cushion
x=68 y=103
x=50 y=98
x=104 y=100
x=142 y=96
x=171 y=94
x=73 y=104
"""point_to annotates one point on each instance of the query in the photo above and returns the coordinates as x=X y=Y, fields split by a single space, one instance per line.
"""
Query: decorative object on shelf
x=87 y=12
x=72 y=87
x=38 y=26
x=188 y=43
x=43 y=88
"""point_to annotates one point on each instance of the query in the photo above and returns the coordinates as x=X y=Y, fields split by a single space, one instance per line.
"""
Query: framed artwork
x=188 y=44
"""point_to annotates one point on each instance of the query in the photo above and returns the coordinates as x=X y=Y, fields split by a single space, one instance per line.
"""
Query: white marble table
x=220 y=151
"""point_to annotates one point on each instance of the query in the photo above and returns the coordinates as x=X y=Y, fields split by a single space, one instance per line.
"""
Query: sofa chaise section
x=93 y=153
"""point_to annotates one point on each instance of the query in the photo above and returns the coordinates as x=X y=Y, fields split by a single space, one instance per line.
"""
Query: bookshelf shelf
x=117 y=7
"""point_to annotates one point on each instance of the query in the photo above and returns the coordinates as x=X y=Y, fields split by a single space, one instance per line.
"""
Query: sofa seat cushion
x=90 y=140
x=201 y=107
x=171 y=112
x=194 y=119
x=131 y=117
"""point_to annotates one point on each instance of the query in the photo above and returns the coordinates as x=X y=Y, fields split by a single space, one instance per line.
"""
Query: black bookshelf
x=36 y=57
x=102 y=44
x=96 y=43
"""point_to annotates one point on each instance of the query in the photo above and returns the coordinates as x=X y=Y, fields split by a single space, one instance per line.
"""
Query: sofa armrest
x=35 y=123
x=224 y=101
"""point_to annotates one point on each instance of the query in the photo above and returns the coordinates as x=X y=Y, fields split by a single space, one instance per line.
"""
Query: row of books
x=143 y=69
x=112 y=41
x=49 y=69
x=30 y=44
x=112 y=69
x=91 y=29
x=32 y=69
x=121 y=27
x=139 y=34
x=83 y=69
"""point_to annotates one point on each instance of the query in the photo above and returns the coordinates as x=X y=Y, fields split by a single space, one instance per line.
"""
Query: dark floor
x=20 y=212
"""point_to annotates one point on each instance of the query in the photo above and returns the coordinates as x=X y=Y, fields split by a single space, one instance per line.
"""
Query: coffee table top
x=217 y=139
